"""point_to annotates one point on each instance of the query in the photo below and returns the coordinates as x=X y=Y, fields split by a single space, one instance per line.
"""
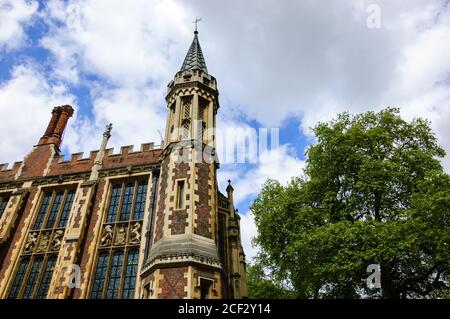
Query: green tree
x=373 y=192
x=262 y=286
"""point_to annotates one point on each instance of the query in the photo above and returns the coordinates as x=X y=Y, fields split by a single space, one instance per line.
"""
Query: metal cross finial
x=197 y=20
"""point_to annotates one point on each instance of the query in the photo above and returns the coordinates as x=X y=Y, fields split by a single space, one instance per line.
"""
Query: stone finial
x=229 y=187
x=101 y=153
x=108 y=129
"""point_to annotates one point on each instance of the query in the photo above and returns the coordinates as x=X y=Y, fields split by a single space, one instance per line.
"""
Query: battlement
x=109 y=152
x=148 y=153
x=129 y=149
x=14 y=167
x=8 y=174
x=77 y=163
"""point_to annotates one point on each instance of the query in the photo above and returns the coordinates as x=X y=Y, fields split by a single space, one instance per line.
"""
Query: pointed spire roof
x=194 y=59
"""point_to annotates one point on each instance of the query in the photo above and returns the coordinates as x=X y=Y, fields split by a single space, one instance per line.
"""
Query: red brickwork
x=179 y=217
x=173 y=283
x=202 y=208
x=93 y=219
x=134 y=158
x=70 y=167
x=7 y=175
x=159 y=229
x=36 y=163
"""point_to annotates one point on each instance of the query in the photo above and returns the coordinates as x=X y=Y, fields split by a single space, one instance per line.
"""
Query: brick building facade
x=137 y=224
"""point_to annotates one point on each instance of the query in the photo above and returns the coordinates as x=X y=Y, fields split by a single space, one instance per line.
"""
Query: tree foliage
x=261 y=286
x=373 y=192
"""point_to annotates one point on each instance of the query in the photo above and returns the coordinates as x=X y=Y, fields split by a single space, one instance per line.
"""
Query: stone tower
x=183 y=251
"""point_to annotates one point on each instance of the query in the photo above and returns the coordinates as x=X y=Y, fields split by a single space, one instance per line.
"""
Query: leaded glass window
x=129 y=283
x=54 y=210
x=114 y=203
x=100 y=275
x=42 y=211
x=115 y=274
x=39 y=254
x=20 y=275
x=127 y=202
x=32 y=278
x=140 y=201
x=46 y=277
x=66 y=209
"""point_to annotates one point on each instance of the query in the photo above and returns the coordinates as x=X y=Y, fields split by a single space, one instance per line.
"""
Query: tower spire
x=194 y=59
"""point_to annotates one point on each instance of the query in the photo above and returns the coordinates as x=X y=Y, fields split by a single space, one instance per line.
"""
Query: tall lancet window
x=38 y=259
x=180 y=194
x=116 y=266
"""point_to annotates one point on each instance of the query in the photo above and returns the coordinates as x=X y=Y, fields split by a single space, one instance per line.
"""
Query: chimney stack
x=55 y=129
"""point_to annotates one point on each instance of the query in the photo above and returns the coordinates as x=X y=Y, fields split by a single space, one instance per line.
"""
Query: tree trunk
x=388 y=289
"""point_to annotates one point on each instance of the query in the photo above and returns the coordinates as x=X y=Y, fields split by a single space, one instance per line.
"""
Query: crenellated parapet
x=77 y=163
x=128 y=157
x=8 y=174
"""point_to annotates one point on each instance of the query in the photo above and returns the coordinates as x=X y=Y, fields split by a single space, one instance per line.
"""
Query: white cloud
x=277 y=164
x=304 y=60
x=134 y=114
x=125 y=53
x=248 y=232
x=125 y=43
x=311 y=61
x=14 y=15
x=27 y=100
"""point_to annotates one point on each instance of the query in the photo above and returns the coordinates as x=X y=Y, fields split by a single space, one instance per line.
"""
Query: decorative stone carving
x=121 y=235
x=135 y=235
x=31 y=242
x=107 y=236
x=43 y=243
x=56 y=242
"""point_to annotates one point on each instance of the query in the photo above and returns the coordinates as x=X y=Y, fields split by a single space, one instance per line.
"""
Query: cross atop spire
x=194 y=59
x=196 y=21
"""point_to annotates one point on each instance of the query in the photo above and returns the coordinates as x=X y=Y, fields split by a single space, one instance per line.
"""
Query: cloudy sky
x=285 y=64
